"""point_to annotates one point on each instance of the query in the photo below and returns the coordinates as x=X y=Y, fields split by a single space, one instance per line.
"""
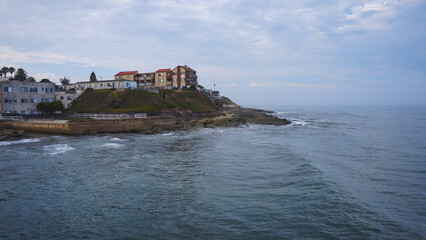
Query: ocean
x=336 y=172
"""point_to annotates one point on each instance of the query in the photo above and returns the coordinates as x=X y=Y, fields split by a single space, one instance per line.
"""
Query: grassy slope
x=141 y=101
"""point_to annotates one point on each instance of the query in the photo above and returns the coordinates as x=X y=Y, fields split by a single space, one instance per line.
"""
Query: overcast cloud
x=282 y=52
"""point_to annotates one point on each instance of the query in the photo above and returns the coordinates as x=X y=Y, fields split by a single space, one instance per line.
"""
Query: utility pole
x=214 y=87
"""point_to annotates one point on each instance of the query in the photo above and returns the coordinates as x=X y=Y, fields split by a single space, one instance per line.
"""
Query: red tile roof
x=126 y=73
x=163 y=70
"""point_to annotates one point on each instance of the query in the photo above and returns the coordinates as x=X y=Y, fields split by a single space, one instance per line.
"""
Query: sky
x=257 y=52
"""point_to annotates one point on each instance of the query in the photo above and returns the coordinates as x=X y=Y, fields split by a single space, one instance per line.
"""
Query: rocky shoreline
x=230 y=117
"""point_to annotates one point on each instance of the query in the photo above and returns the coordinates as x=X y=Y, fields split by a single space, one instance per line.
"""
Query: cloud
x=39 y=76
x=290 y=85
x=7 y=54
x=372 y=15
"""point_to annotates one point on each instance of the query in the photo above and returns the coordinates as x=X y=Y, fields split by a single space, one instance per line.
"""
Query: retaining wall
x=89 y=126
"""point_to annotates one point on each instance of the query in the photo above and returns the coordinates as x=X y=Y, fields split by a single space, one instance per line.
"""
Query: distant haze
x=256 y=52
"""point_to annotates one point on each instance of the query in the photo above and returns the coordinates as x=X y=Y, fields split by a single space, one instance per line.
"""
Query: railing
x=46 y=120
x=12 y=118
x=110 y=116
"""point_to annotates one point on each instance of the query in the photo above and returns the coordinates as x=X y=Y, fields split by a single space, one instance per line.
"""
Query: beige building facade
x=127 y=75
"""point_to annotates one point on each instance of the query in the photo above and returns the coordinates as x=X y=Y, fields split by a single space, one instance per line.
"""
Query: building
x=22 y=97
x=163 y=78
x=107 y=84
x=66 y=97
x=184 y=76
x=127 y=75
x=145 y=80
x=166 y=78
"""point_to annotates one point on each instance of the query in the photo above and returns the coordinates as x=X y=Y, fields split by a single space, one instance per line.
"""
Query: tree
x=93 y=77
x=49 y=108
x=20 y=75
x=58 y=106
x=42 y=107
x=31 y=79
x=45 y=80
x=4 y=70
x=12 y=70
x=64 y=81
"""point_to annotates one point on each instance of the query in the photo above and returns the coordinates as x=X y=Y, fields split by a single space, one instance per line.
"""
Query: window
x=8 y=111
x=160 y=74
x=174 y=79
x=7 y=89
x=34 y=112
x=62 y=97
x=33 y=100
x=50 y=99
x=24 y=112
x=49 y=90
x=127 y=84
x=8 y=100
x=182 y=75
x=24 y=89
x=33 y=89
x=102 y=85
x=15 y=100
x=24 y=100
x=69 y=98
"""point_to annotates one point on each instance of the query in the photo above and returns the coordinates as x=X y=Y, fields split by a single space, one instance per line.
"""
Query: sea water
x=336 y=172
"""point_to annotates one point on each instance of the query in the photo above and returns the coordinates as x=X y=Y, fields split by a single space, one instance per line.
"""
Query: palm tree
x=21 y=75
x=11 y=70
x=5 y=70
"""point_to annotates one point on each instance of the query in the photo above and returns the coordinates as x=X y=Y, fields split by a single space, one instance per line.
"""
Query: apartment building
x=184 y=76
x=22 y=97
x=163 y=78
x=106 y=84
x=66 y=97
x=166 y=78
x=145 y=80
x=127 y=75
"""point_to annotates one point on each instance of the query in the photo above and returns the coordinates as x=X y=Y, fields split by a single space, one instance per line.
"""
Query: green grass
x=141 y=101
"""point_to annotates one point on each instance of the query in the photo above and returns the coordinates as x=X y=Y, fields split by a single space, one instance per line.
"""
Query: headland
x=139 y=111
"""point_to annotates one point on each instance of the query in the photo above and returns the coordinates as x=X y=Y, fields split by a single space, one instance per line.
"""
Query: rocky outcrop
x=257 y=116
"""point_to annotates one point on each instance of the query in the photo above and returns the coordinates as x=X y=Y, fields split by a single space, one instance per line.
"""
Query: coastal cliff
x=165 y=111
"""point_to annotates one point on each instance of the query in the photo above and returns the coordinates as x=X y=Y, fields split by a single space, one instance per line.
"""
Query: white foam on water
x=299 y=123
x=112 y=145
x=285 y=112
x=29 y=140
x=167 y=134
x=117 y=139
x=57 y=148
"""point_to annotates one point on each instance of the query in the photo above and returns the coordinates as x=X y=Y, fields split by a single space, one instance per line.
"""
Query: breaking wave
x=57 y=148
x=112 y=145
x=29 y=140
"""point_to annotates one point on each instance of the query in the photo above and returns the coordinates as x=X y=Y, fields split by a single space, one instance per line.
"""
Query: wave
x=117 y=139
x=29 y=140
x=112 y=145
x=299 y=123
x=167 y=134
x=57 y=148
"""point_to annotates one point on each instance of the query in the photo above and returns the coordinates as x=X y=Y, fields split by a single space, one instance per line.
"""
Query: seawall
x=89 y=126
